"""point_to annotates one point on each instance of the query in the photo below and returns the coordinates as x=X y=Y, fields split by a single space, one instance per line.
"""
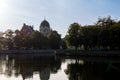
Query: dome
x=45 y=23
x=45 y=27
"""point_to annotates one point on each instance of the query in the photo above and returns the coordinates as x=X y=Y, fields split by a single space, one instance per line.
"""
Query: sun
x=2 y=5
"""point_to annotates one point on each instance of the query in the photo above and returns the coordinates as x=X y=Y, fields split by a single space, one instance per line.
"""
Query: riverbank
x=28 y=52
x=89 y=53
x=62 y=53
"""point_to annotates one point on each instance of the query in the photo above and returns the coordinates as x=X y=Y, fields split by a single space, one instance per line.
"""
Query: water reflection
x=27 y=66
x=82 y=68
x=93 y=70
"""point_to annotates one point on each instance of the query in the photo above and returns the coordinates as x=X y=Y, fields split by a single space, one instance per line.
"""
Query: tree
x=89 y=36
x=39 y=41
x=2 y=41
x=17 y=40
x=22 y=41
x=63 y=44
x=114 y=36
x=105 y=22
x=54 y=40
x=9 y=35
x=72 y=37
x=104 y=35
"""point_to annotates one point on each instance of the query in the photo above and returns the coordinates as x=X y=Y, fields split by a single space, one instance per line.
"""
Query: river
x=31 y=67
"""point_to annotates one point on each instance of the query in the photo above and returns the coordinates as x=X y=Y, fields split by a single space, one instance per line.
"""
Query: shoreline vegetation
x=104 y=35
x=67 y=53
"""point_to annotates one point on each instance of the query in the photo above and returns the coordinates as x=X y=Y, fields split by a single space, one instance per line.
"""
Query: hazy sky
x=59 y=13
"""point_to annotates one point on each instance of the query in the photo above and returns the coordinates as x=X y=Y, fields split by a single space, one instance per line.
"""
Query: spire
x=44 y=17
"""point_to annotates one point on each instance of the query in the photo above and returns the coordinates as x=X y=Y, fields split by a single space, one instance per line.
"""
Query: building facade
x=27 y=29
x=45 y=28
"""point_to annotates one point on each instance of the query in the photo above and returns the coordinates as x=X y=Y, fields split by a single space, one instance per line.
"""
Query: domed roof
x=45 y=23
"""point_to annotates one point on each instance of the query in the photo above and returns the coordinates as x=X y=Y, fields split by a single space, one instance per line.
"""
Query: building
x=45 y=28
x=27 y=29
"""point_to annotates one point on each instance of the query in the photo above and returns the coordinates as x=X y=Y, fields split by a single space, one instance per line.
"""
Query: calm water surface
x=31 y=67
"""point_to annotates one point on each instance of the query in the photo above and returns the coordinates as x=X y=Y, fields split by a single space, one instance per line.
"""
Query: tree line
x=17 y=40
x=103 y=35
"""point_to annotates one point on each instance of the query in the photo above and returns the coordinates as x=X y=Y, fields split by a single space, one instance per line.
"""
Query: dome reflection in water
x=27 y=66
x=81 y=68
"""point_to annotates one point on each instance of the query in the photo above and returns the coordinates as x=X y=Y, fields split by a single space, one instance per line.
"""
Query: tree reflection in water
x=84 y=69
x=26 y=66
x=93 y=71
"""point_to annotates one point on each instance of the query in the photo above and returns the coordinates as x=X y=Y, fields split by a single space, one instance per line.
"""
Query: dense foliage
x=104 y=35
x=19 y=40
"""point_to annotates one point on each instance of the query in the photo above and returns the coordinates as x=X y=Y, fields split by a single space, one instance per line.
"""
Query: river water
x=31 y=67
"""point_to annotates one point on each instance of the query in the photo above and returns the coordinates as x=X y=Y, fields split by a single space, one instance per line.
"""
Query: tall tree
x=114 y=36
x=63 y=44
x=72 y=37
x=9 y=35
x=105 y=22
x=54 y=40
x=89 y=36
x=39 y=41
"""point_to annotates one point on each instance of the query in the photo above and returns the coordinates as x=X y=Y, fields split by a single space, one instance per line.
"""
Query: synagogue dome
x=45 y=23
x=45 y=27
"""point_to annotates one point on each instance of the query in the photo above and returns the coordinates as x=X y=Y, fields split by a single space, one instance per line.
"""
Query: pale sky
x=59 y=13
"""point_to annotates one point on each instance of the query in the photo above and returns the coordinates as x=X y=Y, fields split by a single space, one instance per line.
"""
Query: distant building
x=27 y=29
x=45 y=28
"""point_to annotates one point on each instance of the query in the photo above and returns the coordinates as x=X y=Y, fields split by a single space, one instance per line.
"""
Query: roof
x=45 y=23
x=26 y=29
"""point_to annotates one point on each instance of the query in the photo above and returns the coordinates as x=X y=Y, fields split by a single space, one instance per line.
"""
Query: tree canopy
x=104 y=35
x=18 y=40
